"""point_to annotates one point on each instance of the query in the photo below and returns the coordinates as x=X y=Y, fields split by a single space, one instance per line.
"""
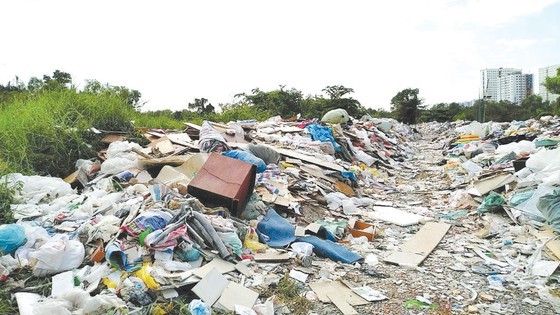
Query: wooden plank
x=416 y=249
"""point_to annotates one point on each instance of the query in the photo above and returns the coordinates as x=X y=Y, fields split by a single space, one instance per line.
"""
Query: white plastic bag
x=57 y=255
x=538 y=161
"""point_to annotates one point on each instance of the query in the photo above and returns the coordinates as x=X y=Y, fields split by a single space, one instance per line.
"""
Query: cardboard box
x=224 y=181
x=358 y=230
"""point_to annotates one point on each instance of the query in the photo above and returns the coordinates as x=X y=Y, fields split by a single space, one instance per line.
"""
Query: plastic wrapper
x=144 y=274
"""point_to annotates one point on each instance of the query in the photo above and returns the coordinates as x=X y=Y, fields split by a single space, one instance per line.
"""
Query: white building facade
x=545 y=72
x=505 y=84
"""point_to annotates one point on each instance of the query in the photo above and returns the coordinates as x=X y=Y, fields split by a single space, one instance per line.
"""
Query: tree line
x=406 y=106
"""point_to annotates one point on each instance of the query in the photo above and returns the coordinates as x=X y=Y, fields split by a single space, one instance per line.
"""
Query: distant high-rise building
x=549 y=71
x=515 y=87
x=505 y=84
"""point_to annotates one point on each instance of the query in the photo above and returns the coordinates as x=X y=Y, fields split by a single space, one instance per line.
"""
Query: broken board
x=484 y=186
x=237 y=294
x=310 y=159
x=415 y=250
x=272 y=255
x=324 y=289
x=219 y=264
x=211 y=287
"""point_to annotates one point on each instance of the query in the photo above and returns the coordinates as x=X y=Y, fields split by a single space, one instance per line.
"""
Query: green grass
x=45 y=133
x=289 y=294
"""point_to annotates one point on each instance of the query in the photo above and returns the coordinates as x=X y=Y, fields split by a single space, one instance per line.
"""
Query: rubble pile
x=356 y=216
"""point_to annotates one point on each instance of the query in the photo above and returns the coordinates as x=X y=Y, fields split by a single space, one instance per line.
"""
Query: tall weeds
x=45 y=133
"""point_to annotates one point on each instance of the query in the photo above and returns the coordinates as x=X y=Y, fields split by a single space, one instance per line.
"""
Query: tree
x=552 y=84
x=59 y=80
x=406 y=106
x=336 y=94
x=283 y=102
x=201 y=106
x=34 y=84
x=337 y=91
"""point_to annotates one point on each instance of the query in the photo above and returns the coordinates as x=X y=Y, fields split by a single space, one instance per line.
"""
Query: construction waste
x=366 y=216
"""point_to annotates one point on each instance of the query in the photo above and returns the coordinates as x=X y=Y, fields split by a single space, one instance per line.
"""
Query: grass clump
x=7 y=196
x=289 y=294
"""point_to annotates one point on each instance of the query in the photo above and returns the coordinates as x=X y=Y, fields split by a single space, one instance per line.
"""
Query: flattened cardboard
x=552 y=245
x=484 y=186
x=210 y=288
x=224 y=181
x=323 y=289
x=344 y=188
x=341 y=304
x=236 y=294
x=416 y=249
x=362 y=229
x=162 y=145
x=316 y=171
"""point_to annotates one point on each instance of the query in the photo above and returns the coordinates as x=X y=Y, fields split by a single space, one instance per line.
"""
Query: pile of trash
x=217 y=214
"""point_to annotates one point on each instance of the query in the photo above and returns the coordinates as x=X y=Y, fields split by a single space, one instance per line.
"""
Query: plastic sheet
x=323 y=134
x=549 y=206
x=543 y=159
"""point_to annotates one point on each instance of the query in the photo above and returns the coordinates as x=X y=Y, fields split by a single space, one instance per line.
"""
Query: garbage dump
x=338 y=215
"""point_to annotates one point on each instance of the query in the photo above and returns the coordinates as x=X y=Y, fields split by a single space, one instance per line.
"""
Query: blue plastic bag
x=323 y=134
x=246 y=157
x=12 y=236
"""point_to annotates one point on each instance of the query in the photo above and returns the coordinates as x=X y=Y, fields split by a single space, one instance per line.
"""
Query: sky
x=176 y=51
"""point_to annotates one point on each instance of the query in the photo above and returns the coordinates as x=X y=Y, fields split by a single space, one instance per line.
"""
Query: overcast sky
x=175 y=51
